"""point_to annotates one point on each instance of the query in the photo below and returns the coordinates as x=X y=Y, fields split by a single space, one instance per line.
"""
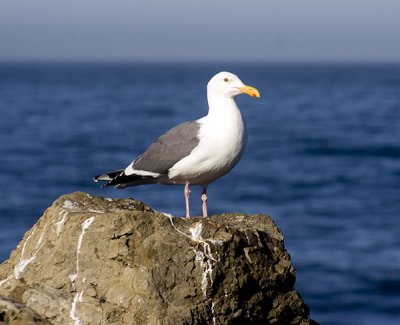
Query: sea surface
x=323 y=160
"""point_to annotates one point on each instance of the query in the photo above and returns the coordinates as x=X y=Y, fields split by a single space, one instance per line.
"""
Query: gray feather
x=168 y=149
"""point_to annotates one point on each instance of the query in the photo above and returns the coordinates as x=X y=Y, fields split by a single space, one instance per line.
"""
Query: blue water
x=323 y=159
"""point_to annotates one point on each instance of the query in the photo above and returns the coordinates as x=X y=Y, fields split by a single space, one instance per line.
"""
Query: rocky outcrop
x=93 y=260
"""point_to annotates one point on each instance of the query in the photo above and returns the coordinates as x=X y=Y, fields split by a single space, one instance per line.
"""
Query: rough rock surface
x=14 y=313
x=92 y=260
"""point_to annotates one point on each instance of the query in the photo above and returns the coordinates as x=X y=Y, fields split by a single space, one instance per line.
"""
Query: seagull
x=196 y=152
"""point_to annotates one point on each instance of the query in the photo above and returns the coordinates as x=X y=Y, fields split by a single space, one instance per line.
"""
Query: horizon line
x=196 y=61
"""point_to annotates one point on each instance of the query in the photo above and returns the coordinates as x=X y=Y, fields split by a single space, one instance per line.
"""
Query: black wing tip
x=119 y=180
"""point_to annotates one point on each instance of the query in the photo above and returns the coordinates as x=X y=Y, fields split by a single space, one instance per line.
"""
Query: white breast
x=223 y=139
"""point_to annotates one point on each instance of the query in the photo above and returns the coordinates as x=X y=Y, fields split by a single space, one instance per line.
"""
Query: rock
x=13 y=313
x=92 y=260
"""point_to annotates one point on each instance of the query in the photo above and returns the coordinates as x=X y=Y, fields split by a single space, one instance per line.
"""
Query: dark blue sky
x=251 y=30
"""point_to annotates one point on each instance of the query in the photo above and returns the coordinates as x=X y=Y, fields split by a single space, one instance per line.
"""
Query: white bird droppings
x=72 y=277
x=72 y=314
x=23 y=261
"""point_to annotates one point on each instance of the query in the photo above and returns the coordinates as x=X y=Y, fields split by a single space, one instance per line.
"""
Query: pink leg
x=187 y=194
x=204 y=202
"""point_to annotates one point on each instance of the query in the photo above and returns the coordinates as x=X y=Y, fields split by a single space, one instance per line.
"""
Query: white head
x=228 y=85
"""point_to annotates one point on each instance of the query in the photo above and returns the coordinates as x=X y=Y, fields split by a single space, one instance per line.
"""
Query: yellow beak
x=251 y=91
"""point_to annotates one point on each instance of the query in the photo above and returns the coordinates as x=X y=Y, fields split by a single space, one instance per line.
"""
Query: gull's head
x=226 y=84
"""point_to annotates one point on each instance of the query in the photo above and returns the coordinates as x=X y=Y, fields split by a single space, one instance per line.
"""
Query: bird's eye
x=226 y=79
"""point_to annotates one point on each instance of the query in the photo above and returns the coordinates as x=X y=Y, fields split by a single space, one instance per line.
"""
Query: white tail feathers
x=104 y=177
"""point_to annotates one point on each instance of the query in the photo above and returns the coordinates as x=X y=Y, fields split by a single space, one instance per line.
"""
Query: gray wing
x=168 y=149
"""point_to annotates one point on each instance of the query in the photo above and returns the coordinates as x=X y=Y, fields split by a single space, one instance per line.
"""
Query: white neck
x=220 y=105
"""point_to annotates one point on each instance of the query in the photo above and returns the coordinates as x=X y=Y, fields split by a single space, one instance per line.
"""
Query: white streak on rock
x=20 y=266
x=5 y=280
x=196 y=231
x=196 y=236
x=95 y=211
x=27 y=239
x=204 y=256
x=213 y=312
x=72 y=314
x=24 y=262
x=68 y=204
x=72 y=277
x=259 y=239
x=60 y=224
x=207 y=267
x=85 y=226
x=39 y=244
x=170 y=217
x=207 y=262
x=247 y=237
x=216 y=242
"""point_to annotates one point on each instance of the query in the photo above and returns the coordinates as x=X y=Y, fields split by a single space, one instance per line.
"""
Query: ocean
x=323 y=160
